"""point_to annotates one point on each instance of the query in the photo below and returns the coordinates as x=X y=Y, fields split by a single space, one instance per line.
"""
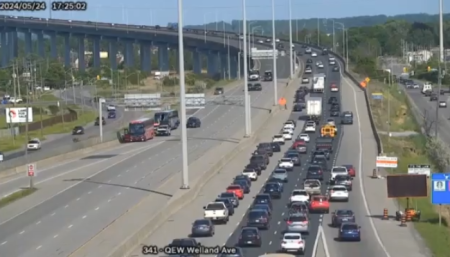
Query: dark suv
x=258 y=219
x=261 y=160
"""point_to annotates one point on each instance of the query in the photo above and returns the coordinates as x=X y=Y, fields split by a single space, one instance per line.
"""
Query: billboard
x=142 y=101
x=407 y=185
x=19 y=115
x=195 y=101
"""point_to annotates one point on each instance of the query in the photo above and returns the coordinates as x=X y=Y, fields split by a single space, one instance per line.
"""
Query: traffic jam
x=304 y=183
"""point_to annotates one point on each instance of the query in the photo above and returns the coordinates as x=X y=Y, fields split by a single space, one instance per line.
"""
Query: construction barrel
x=403 y=221
x=385 y=214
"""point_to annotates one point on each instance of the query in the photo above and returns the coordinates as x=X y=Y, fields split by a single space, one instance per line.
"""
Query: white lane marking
x=53 y=214
x=78 y=199
x=84 y=217
x=4 y=243
x=98 y=172
x=97 y=208
x=70 y=226
x=66 y=206
x=21 y=232
x=55 y=236
x=39 y=222
x=39 y=247
x=360 y=174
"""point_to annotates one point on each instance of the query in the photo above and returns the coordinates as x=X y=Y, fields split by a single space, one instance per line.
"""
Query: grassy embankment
x=10 y=143
x=409 y=150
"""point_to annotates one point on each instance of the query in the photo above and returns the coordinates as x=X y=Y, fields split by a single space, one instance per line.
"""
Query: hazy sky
x=153 y=12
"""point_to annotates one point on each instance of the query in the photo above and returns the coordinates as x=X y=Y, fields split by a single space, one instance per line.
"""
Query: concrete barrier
x=181 y=199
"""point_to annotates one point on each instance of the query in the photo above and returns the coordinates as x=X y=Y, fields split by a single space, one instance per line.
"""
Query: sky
x=196 y=12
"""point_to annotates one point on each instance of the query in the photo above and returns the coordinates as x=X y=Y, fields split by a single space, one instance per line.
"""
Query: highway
x=68 y=219
x=179 y=225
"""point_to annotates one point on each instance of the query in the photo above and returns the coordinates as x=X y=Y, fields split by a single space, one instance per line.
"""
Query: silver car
x=280 y=174
x=298 y=222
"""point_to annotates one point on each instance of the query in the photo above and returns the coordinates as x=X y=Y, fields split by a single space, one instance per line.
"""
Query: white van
x=426 y=87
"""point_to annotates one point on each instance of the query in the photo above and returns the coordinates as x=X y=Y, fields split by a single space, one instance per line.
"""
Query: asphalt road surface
x=67 y=219
x=178 y=226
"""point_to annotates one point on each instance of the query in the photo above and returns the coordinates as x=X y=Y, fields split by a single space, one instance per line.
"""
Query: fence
x=33 y=126
x=9 y=132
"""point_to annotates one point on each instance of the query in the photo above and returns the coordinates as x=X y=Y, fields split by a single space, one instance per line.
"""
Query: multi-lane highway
x=118 y=180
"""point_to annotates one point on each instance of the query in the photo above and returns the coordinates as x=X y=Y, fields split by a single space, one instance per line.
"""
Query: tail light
x=300 y=242
x=289 y=222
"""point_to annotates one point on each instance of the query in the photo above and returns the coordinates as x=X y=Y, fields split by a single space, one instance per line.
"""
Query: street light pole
x=346 y=49
x=184 y=150
x=246 y=103
x=318 y=31
x=441 y=59
x=291 y=50
x=274 y=58
x=334 y=42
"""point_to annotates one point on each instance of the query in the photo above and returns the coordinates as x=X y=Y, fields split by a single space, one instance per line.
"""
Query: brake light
x=289 y=222
x=300 y=242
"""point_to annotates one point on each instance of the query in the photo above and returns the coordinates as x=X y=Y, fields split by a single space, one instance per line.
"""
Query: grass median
x=16 y=196
x=410 y=150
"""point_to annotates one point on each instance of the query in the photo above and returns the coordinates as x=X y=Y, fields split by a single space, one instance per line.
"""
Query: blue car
x=349 y=232
x=111 y=115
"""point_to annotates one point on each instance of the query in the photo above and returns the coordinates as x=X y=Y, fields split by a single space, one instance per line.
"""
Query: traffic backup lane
x=114 y=181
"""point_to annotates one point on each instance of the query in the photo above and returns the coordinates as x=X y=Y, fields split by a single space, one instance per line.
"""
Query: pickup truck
x=163 y=130
x=324 y=143
x=312 y=186
x=216 y=211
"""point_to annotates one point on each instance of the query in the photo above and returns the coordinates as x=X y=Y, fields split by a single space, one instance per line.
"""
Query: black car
x=202 y=227
x=218 y=91
x=321 y=162
x=325 y=153
x=97 y=123
x=314 y=172
x=275 y=180
x=347 y=118
x=263 y=199
x=262 y=206
x=184 y=243
x=260 y=160
x=333 y=100
x=259 y=219
x=244 y=184
x=243 y=177
x=273 y=189
x=276 y=148
x=433 y=97
x=428 y=93
x=255 y=166
x=301 y=102
x=230 y=195
x=268 y=76
x=267 y=147
x=194 y=122
x=78 y=130
x=335 y=69
x=341 y=216
x=335 y=107
x=228 y=204
x=250 y=236
x=309 y=61
x=254 y=87
x=297 y=108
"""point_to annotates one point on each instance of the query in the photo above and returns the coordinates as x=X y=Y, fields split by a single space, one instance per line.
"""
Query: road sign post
x=422 y=169
x=440 y=191
x=31 y=173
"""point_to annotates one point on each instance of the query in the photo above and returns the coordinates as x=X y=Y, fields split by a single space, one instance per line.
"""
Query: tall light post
x=291 y=50
x=441 y=59
x=246 y=103
x=274 y=57
x=343 y=35
x=318 y=31
x=184 y=150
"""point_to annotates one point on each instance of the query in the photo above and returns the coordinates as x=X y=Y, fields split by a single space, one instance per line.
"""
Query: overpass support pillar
x=4 y=49
x=28 y=44
x=113 y=55
x=40 y=44
x=53 y=46
x=14 y=45
x=146 y=57
x=81 y=52
x=234 y=67
x=96 y=51
x=67 y=57
x=177 y=58
x=224 y=66
x=197 y=59
x=129 y=54
x=163 y=58
x=212 y=63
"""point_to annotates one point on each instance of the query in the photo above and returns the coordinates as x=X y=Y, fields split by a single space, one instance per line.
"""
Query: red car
x=298 y=142
x=351 y=170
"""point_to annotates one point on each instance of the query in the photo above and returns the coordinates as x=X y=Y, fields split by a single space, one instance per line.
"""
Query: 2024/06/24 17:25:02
x=69 y=6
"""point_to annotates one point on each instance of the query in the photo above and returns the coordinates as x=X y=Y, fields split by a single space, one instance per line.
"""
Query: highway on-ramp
x=118 y=180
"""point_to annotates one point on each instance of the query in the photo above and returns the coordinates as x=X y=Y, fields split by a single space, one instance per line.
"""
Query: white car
x=251 y=174
x=314 y=54
x=338 y=193
x=442 y=104
x=305 y=80
x=305 y=137
x=14 y=100
x=308 y=50
x=310 y=127
x=331 y=122
x=110 y=107
x=338 y=170
x=278 y=139
x=320 y=66
x=34 y=144
x=289 y=125
x=286 y=163
x=299 y=195
x=332 y=62
x=331 y=58
x=287 y=134
x=260 y=41
x=216 y=211
x=277 y=40
x=293 y=242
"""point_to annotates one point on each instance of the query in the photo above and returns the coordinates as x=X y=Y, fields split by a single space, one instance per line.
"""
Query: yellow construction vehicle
x=328 y=131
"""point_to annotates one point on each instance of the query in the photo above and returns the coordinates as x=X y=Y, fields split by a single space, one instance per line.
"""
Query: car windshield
x=339 y=170
x=319 y=198
x=201 y=222
x=227 y=195
x=300 y=193
x=292 y=155
x=285 y=160
x=342 y=177
x=303 y=135
x=136 y=129
x=78 y=127
x=313 y=168
x=348 y=115
x=279 y=171
x=270 y=186
x=278 y=136
x=256 y=158
x=298 y=218
x=33 y=142
x=191 y=119
x=292 y=237
x=339 y=189
x=349 y=227
x=214 y=206
x=249 y=232
x=344 y=213
x=234 y=188
x=256 y=214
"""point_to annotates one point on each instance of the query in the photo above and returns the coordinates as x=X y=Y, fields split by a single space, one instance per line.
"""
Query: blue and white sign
x=440 y=188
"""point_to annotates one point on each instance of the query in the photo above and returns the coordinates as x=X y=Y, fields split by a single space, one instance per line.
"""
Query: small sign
x=419 y=169
x=387 y=162
x=377 y=96
x=31 y=170
x=367 y=79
